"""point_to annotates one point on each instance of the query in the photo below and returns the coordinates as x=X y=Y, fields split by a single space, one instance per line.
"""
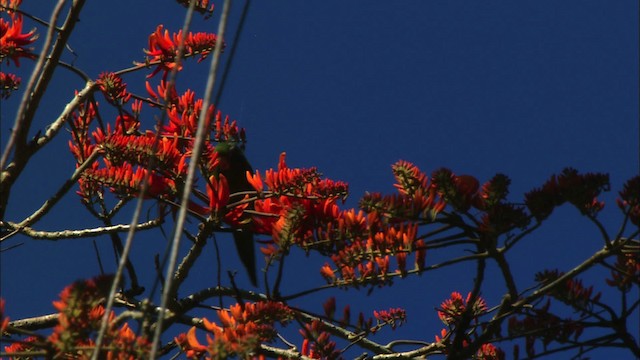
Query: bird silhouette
x=234 y=165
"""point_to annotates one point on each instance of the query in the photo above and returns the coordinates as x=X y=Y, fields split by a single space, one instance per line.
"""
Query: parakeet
x=234 y=165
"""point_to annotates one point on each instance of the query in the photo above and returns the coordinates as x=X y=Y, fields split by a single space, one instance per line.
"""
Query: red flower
x=113 y=88
x=452 y=309
x=629 y=200
x=13 y=42
x=4 y=320
x=218 y=193
x=393 y=317
x=490 y=352
x=163 y=48
x=8 y=83
x=626 y=272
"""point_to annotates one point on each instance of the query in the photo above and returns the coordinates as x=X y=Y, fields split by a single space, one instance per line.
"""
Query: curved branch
x=77 y=234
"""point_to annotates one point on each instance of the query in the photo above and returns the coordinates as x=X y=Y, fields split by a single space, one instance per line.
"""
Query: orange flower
x=327 y=273
x=242 y=329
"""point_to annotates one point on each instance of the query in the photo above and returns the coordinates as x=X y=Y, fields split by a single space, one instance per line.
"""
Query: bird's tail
x=246 y=251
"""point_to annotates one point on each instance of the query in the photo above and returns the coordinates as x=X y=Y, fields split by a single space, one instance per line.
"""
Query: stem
x=35 y=89
x=197 y=149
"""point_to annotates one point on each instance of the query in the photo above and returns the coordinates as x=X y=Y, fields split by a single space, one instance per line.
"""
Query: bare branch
x=78 y=234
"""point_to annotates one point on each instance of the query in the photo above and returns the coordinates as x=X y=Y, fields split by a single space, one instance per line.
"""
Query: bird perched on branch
x=234 y=165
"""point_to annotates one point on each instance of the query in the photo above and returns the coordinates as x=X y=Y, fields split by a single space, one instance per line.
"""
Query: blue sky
x=524 y=88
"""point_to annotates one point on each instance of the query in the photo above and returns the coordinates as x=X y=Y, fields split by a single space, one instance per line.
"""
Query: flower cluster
x=128 y=156
x=80 y=313
x=299 y=207
x=113 y=88
x=31 y=344
x=376 y=242
x=540 y=324
x=241 y=331
x=486 y=351
x=416 y=200
x=8 y=83
x=580 y=190
x=490 y=352
x=14 y=44
x=570 y=292
x=163 y=48
x=4 y=320
x=629 y=200
x=463 y=192
x=392 y=317
x=452 y=309
x=201 y=6
x=626 y=272
x=451 y=312
x=317 y=343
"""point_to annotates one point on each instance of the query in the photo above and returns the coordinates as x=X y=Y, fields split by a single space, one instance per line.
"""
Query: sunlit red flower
x=13 y=42
x=241 y=330
x=126 y=180
x=409 y=179
x=218 y=193
x=392 y=317
x=4 y=320
x=163 y=48
x=113 y=88
x=452 y=309
x=10 y=4
x=490 y=352
x=31 y=343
